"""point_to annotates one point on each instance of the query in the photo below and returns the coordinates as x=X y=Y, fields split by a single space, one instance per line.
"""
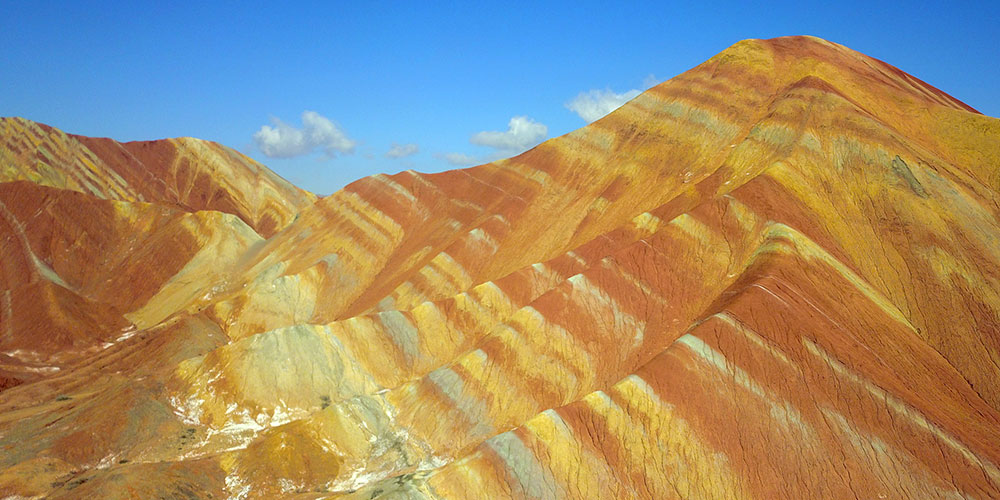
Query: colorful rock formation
x=187 y=174
x=776 y=275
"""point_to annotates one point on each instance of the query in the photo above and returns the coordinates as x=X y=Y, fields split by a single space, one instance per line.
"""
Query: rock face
x=776 y=275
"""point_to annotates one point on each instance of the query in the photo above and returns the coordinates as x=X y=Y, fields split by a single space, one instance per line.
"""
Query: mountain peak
x=792 y=57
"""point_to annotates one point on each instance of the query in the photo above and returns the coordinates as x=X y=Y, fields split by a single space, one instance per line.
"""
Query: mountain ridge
x=181 y=172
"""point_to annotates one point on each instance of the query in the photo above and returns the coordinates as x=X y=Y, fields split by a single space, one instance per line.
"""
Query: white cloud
x=458 y=159
x=285 y=141
x=650 y=81
x=402 y=150
x=594 y=104
x=522 y=133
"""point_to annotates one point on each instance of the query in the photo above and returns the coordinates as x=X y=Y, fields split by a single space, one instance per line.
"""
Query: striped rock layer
x=185 y=173
x=776 y=275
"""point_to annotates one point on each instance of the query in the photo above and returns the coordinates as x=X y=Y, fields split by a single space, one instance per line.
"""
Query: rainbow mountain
x=776 y=275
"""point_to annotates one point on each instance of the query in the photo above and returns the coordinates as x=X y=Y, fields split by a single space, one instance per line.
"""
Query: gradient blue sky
x=432 y=76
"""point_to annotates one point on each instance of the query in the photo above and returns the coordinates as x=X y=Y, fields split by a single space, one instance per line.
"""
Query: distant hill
x=190 y=174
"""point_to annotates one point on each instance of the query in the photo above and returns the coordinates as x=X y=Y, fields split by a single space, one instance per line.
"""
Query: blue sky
x=428 y=79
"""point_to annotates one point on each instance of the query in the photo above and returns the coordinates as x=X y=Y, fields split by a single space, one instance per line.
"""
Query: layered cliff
x=776 y=275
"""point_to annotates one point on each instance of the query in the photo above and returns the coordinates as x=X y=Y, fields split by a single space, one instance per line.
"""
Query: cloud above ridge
x=402 y=150
x=458 y=159
x=281 y=140
x=522 y=134
x=595 y=104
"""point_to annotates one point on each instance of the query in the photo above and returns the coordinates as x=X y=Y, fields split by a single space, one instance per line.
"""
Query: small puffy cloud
x=402 y=150
x=458 y=159
x=522 y=134
x=650 y=81
x=594 y=104
x=281 y=140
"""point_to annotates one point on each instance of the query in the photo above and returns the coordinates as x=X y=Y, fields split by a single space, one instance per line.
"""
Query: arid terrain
x=776 y=275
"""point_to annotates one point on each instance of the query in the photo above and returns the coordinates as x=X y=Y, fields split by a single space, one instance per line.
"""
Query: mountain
x=187 y=174
x=776 y=275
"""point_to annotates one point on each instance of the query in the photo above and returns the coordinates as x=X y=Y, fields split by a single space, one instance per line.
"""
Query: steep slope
x=185 y=173
x=776 y=275
x=78 y=272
